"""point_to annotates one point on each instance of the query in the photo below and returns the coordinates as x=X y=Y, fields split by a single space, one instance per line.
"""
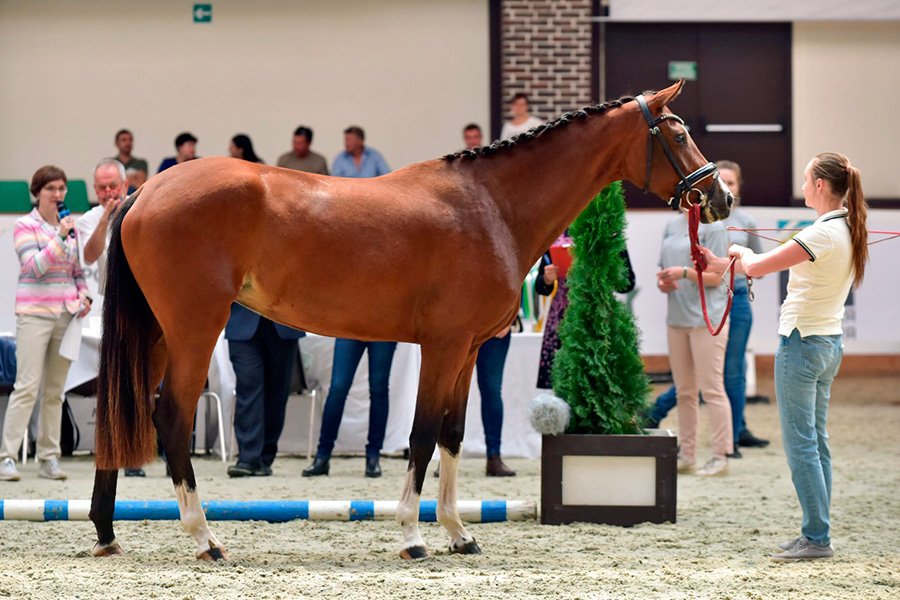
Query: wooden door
x=739 y=106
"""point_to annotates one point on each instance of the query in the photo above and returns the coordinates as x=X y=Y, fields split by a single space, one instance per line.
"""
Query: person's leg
x=56 y=368
x=281 y=357
x=823 y=397
x=381 y=355
x=735 y=358
x=682 y=364
x=248 y=360
x=798 y=367
x=489 y=369
x=664 y=403
x=347 y=354
x=709 y=362
x=32 y=338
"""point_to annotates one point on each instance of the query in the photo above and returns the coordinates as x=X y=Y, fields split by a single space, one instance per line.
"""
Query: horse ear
x=663 y=97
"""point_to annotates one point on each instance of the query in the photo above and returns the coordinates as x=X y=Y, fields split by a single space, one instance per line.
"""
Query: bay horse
x=389 y=258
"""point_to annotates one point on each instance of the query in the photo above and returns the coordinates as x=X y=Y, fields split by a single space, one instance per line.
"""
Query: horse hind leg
x=174 y=418
x=450 y=444
x=103 y=499
x=441 y=364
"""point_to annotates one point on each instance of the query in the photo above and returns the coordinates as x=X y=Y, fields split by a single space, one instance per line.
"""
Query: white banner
x=872 y=319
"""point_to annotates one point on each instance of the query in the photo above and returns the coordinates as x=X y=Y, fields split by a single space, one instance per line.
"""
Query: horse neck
x=541 y=186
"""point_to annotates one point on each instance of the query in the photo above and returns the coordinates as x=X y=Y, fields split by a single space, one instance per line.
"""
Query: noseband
x=688 y=183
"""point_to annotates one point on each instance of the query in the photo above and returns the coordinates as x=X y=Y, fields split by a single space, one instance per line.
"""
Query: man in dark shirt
x=185 y=148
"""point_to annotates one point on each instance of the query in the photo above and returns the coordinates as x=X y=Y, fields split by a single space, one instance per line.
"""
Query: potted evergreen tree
x=606 y=468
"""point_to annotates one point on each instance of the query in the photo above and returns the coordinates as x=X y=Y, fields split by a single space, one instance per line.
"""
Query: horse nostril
x=730 y=200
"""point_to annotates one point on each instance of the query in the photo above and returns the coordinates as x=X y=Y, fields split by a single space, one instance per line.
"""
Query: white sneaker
x=804 y=549
x=8 y=470
x=49 y=469
x=714 y=467
x=686 y=464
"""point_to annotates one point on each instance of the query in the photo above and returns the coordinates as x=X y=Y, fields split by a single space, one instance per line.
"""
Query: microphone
x=63 y=213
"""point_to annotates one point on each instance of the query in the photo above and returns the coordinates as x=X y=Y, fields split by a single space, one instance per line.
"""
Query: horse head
x=671 y=164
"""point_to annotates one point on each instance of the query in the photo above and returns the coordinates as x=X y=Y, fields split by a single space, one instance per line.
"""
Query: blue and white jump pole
x=273 y=511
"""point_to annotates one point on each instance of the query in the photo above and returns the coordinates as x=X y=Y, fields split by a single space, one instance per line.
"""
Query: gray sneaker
x=804 y=549
x=49 y=469
x=8 y=470
x=788 y=545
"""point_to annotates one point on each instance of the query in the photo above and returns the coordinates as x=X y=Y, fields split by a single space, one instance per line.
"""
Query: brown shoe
x=496 y=468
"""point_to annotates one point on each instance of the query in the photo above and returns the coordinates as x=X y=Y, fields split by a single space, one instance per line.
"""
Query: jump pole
x=273 y=511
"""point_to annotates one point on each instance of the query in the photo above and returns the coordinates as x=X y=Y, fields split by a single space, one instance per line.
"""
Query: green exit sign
x=203 y=13
x=682 y=69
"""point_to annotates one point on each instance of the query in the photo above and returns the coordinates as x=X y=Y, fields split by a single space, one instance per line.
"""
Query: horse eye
x=680 y=138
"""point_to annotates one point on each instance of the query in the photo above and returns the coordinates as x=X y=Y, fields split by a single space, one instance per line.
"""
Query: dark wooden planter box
x=609 y=479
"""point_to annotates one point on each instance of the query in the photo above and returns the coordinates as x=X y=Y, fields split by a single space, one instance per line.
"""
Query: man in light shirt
x=357 y=159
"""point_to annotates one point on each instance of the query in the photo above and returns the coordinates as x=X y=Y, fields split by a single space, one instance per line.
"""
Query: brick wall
x=547 y=54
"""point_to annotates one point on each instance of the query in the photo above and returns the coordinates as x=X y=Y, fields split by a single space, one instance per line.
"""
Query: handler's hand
x=715 y=266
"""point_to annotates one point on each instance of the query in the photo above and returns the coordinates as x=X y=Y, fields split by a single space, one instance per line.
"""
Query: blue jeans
x=804 y=370
x=489 y=369
x=736 y=356
x=347 y=354
x=735 y=365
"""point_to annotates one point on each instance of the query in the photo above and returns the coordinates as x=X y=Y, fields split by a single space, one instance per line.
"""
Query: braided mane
x=537 y=131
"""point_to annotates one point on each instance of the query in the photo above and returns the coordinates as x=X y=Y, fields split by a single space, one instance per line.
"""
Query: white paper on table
x=71 y=340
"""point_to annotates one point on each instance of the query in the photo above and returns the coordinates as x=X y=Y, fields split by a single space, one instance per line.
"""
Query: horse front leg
x=450 y=444
x=441 y=364
x=174 y=418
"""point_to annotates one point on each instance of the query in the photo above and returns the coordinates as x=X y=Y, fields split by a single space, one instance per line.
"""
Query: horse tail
x=126 y=436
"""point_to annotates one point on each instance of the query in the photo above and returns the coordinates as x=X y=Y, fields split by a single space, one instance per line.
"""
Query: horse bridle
x=688 y=183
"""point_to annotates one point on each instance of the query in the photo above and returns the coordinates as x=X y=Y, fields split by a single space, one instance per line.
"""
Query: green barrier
x=15 y=197
x=76 y=197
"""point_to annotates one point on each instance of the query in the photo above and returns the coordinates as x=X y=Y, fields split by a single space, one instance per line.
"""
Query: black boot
x=748 y=440
x=373 y=468
x=319 y=467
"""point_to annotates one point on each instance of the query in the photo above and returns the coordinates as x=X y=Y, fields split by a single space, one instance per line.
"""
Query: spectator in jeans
x=357 y=161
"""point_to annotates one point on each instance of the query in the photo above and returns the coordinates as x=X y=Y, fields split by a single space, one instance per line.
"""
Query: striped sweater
x=50 y=277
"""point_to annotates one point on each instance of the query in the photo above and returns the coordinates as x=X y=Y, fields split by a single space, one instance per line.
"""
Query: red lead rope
x=700 y=265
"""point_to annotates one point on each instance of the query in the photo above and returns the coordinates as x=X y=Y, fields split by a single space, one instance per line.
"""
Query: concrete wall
x=73 y=73
x=846 y=87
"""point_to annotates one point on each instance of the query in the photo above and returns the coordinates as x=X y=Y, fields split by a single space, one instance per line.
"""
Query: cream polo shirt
x=817 y=288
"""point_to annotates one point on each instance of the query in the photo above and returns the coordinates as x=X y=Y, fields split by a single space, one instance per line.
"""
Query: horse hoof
x=214 y=554
x=107 y=549
x=414 y=553
x=467 y=548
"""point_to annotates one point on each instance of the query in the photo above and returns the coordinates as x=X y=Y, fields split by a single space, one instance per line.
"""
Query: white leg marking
x=408 y=513
x=193 y=520
x=447 y=511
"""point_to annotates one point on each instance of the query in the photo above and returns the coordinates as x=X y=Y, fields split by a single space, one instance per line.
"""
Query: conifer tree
x=598 y=369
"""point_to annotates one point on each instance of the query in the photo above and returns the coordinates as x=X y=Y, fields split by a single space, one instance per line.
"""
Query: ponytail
x=856 y=219
x=844 y=181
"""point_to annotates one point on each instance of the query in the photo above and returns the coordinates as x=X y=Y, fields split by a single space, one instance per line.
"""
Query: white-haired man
x=111 y=187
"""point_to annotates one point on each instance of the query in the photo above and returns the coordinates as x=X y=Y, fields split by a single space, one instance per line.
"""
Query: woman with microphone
x=51 y=292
